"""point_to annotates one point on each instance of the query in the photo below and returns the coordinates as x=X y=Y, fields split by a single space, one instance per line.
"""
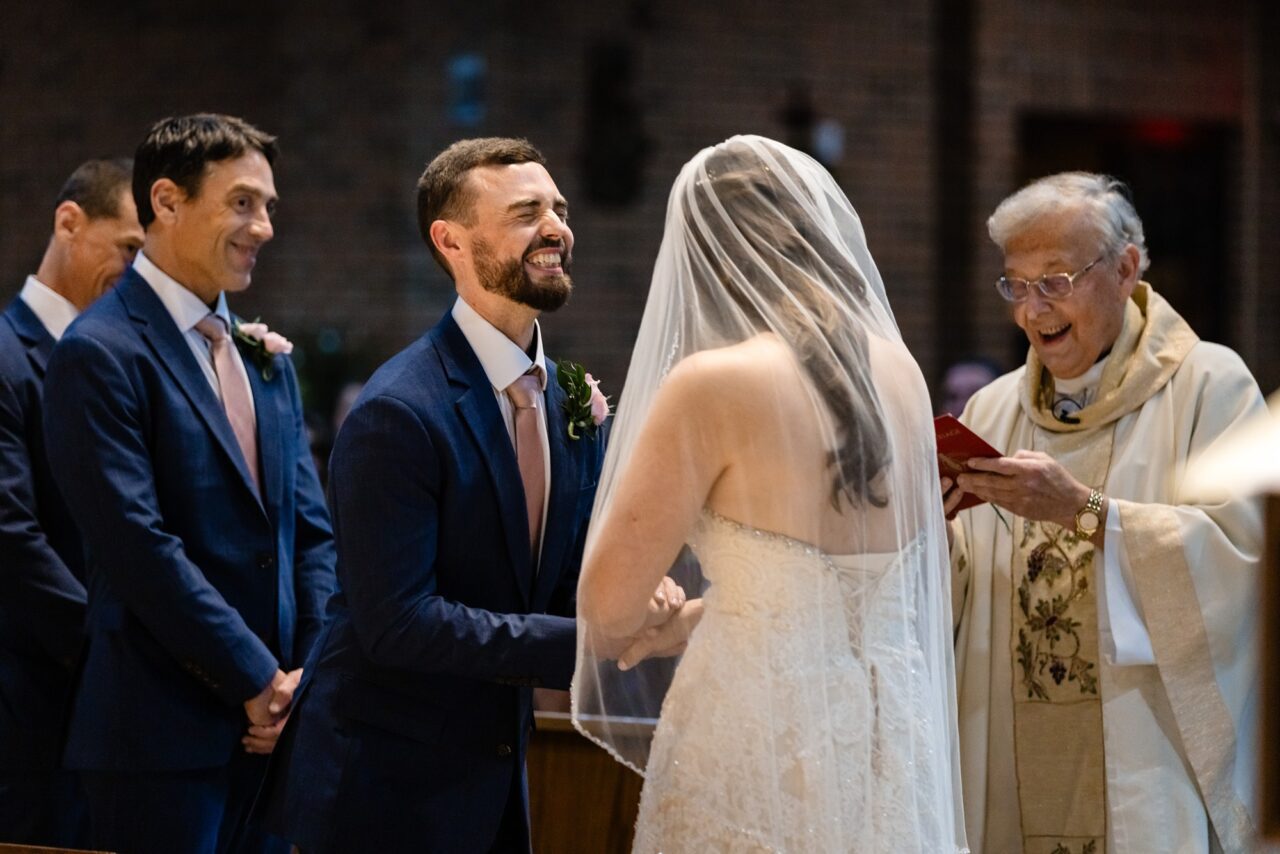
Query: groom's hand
x=665 y=640
x=666 y=600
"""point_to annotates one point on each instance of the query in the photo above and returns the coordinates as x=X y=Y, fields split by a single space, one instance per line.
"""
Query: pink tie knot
x=525 y=391
x=212 y=327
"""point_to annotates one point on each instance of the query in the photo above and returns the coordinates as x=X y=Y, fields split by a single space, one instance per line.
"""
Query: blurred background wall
x=928 y=112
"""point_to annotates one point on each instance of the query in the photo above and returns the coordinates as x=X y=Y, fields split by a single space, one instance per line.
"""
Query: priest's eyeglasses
x=1052 y=286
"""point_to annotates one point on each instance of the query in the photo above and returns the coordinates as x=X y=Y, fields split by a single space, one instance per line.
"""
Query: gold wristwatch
x=1089 y=517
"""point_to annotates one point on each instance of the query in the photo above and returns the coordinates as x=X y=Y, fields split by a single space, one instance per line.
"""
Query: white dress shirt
x=187 y=310
x=54 y=311
x=504 y=362
x=1122 y=631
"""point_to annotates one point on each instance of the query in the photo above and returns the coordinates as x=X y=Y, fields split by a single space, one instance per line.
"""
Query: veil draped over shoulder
x=824 y=655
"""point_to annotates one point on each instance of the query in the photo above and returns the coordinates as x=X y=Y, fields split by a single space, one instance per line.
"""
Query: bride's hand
x=666 y=600
x=665 y=640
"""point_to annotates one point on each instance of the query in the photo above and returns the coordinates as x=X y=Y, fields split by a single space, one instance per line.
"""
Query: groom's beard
x=510 y=279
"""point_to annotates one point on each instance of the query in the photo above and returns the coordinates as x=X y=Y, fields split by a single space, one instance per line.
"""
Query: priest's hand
x=952 y=495
x=1029 y=484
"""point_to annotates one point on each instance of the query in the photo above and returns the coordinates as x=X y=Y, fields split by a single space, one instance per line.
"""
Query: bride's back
x=776 y=432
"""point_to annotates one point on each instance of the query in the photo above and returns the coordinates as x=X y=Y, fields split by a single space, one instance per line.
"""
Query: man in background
x=42 y=597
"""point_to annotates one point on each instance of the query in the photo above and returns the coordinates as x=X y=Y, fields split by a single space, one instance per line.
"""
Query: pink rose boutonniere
x=264 y=345
x=585 y=406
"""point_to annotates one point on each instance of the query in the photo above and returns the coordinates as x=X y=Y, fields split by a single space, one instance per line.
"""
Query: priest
x=1106 y=630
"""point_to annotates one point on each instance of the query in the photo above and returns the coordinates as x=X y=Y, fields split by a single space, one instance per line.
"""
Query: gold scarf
x=1058 y=734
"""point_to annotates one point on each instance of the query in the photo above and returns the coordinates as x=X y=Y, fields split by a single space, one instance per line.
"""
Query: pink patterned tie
x=526 y=396
x=236 y=396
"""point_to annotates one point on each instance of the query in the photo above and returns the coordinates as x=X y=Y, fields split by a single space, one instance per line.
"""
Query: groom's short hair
x=178 y=149
x=444 y=192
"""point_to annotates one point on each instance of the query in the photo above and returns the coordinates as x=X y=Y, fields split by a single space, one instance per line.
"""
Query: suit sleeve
x=95 y=425
x=314 y=556
x=384 y=482
x=40 y=589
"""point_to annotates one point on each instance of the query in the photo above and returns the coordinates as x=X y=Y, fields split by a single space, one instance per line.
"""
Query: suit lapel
x=31 y=332
x=270 y=437
x=563 y=502
x=478 y=410
x=172 y=351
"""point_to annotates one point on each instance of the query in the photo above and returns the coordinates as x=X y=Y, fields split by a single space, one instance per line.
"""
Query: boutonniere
x=585 y=406
x=264 y=345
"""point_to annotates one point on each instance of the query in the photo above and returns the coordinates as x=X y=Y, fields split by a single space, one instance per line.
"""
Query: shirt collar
x=54 y=311
x=1085 y=382
x=183 y=306
x=502 y=359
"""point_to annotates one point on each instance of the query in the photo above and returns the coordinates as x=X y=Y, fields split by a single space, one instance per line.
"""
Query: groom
x=460 y=505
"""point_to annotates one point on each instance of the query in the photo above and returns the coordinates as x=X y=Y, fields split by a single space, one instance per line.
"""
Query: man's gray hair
x=1105 y=201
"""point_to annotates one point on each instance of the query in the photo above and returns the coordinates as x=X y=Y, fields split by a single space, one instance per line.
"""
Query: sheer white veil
x=762 y=245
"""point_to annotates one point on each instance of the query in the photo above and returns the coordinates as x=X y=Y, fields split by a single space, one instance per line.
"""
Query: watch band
x=1092 y=508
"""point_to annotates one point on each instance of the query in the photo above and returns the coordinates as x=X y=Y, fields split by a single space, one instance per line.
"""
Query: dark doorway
x=1182 y=175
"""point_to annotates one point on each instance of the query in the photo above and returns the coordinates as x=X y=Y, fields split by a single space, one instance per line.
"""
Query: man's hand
x=952 y=495
x=262 y=739
x=664 y=640
x=666 y=600
x=1029 y=484
x=268 y=711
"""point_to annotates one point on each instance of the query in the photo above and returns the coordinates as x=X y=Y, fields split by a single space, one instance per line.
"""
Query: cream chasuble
x=1062 y=751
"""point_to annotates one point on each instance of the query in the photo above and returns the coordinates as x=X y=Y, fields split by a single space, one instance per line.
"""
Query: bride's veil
x=761 y=244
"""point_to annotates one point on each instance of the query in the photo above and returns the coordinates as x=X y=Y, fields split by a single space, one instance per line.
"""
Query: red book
x=957 y=444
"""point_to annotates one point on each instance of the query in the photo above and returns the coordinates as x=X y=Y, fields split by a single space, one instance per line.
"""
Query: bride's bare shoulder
x=741 y=365
x=737 y=377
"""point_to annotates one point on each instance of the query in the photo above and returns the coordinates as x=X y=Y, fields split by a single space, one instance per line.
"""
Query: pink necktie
x=235 y=391
x=526 y=396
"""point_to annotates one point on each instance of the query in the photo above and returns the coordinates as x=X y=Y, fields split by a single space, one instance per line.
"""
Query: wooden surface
x=580 y=798
x=1269 y=742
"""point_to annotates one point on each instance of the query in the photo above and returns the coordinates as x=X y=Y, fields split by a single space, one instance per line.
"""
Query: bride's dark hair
x=756 y=225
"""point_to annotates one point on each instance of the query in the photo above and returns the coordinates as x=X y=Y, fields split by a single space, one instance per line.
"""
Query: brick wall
x=360 y=97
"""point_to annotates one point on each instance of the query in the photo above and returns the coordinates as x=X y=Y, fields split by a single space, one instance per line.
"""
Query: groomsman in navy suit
x=95 y=236
x=460 y=503
x=177 y=441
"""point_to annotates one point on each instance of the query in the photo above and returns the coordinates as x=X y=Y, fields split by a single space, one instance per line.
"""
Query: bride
x=774 y=450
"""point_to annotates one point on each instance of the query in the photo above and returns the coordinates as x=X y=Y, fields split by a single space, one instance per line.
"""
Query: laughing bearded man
x=458 y=590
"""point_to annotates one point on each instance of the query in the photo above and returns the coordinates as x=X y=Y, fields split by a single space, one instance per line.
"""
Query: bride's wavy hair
x=757 y=226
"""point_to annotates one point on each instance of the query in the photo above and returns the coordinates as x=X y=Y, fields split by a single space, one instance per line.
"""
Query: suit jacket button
x=266 y=561
x=504 y=750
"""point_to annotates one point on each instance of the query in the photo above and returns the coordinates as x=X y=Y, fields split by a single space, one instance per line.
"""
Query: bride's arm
x=661 y=490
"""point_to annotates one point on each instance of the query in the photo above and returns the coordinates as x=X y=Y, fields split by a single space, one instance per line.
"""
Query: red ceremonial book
x=957 y=444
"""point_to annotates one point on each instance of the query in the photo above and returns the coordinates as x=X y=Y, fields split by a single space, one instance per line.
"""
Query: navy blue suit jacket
x=42 y=595
x=198 y=590
x=410 y=734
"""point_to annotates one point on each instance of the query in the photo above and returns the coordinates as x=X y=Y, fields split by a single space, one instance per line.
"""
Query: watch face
x=1088 y=520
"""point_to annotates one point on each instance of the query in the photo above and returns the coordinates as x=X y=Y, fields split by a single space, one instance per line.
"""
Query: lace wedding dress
x=796 y=721
x=813 y=709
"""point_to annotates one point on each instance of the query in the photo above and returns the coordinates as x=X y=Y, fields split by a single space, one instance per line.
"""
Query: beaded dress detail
x=798 y=718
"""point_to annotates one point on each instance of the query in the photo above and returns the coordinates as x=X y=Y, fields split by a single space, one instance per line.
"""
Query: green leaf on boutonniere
x=579 y=392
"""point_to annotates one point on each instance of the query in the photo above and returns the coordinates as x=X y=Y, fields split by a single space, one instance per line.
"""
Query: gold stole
x=1057 y=706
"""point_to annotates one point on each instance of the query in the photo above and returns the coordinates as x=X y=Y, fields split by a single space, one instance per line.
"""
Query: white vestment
x=1178 y=735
